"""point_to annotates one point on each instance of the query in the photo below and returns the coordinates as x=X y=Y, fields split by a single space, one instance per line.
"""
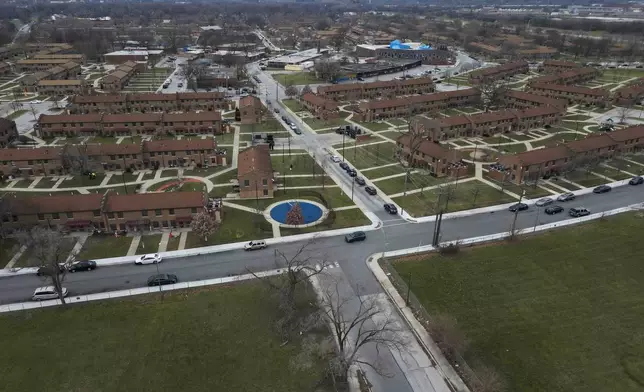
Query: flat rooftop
x=299 y=57
x=377 y=66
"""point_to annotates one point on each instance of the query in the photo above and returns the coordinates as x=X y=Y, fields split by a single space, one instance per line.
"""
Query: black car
x=344 y=166
x=636 y=180
x=518 y=207
x=276 y=110
x=554 y=210
x=360 y=181
x=390 y=208
x=161 y=279
x=297 y=131
x=84 y=265
x=285 y=119
x=602 y=189
x=355 y=236
x=352 y=173
x=370 y=190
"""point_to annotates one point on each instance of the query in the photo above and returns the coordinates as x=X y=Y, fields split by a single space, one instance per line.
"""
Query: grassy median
x=211 y=339
x=560 y=311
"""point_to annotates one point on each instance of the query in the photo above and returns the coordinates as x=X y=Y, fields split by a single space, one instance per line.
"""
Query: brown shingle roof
x=591 y=143
x=629 y=133
x=249 y=100
x=180 y=145
x=61 y=82
x=536 y=157
x=26 y=154
x=154 y=201
x=255 y=160
x=444 y=95
x=501 y=115
x=132 y=117
x=499 y=69
x=193 y=116
x=69 y=118
x=536 y=98
x=570 y=89
x=55 y=203
x=102 y=98
x=561 y=63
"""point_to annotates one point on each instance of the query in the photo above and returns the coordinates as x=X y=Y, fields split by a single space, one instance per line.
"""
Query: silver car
x=47 y=292
x=566 y=196
x=544 y=202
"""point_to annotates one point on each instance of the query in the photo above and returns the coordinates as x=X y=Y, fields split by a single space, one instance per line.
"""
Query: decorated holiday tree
x=294 y=215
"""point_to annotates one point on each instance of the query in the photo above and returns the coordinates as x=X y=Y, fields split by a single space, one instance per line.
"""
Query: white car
x=544 y=202
x=151 y=258
x=335 y=158
x=36 y=101
x=293 y=126
x=47 y=292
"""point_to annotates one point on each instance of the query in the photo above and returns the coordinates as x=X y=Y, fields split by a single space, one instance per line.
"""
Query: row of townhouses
x=128 y=124
x=153 y=154
x=440 y=161
x=572 y=76
x=149 y=102
x=631 y=94
x=378 y=89
x=416 y=104
x=572 y=94
x=557 y=66
x=499 y=72
x=522 y=100
x=15 y=52
x=105 y=211
x=489 y=123
x=8 y=131
x=120 y=77
x=529 y=166
x=68 y=70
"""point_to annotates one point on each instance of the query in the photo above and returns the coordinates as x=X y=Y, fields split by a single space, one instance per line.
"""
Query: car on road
x=293 y=126
x=47 y=292
x=518 y=207
x=370 y=190
x=390 y=208
x=335 y=158
x=359 y=180
x=636 y=180
x=36 y=101
x=352 y=173
x=355 y=236
x=554 y=210
x=544 y=202
x=255 y=244
x=578 y=211
x=297 y=131
x=161 y=279
x=152 y=258
x=344 y=166
x=276 y=110
x=83 y=265
x=166 y=85
x=566 y=196
x=602 y=189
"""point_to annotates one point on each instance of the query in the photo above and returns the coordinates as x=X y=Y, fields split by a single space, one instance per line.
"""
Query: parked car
x=276 y=110
x=47 y=292
x=335 y=158
x=554 y=210
x=360 y=181
x=355 y=236
x=566 y=196
x=297 y=131
x=256 y=244
x=161 y=279
x=45 y=270
x=293 y=126
x=352 y=172
x=151 y=258
x=518 y=207
x=578 y=211
x=344 y=165
x=83 y=265
x=636 y=180
x=390 y=208
x=370 y=190
x=602 y=189
x=544 y=202
x=180 y=84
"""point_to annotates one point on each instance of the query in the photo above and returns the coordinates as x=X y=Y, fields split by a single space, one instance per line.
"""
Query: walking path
x=182 y=240
x=134 y=245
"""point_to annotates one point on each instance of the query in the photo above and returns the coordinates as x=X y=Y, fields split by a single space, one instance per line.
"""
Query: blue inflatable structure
x=396 y=44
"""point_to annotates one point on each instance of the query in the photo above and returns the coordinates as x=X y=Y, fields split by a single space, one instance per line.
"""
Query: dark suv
x=370 y=190
x=391 y=208
x=84 y=265
x=161 y=279
x=355 y=236
x=518 y=207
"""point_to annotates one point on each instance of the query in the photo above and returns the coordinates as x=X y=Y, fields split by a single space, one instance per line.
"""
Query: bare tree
x=75 y=159
x=49 y=249
x=492 y=92
x=623 y=112
x=305 y=90
x=327 y=70
x=33 y=111
x=204 y=225
x=291 y=91
x=356 y=325
x=191 y=72
x=448 y=336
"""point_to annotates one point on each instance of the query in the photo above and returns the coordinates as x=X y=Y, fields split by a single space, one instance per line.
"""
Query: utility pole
x=516 y=215
x=343 y=134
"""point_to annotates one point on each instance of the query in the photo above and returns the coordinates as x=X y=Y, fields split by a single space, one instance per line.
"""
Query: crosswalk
x=319 y=267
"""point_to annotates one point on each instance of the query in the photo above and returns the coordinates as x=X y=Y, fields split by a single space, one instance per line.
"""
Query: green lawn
x=123 y=177
x=236 y=226
x=374 y=126
x=611 y=173
x=225 y=138
x=560 y=311
x=334 y=197
x=585 y=178
x=296 y=164
x=314 y=123
x=132 y=140
x=293 y=104
x=296 y=78
x=495 y=140
x=81 y=181
x=393 y=135
x=103 y=140
x=512 y=148
x=372 y=155
x=8 y=247
x=22 y=183
x=149 y=244
x=415 y=181
x=340 y=220
x=464 y=196
x=556 y=139
x=305 y=181
x=105 y=246
x=173 y=242
x=384 y=172
x=45 y=183
x=397 y=121
x=576 y=117
x=14 y=115
x=216 y=338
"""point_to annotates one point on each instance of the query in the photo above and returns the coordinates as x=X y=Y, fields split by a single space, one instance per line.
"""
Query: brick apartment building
x=14 y=52
x=378 y=89
x=35 y=65
x=499 y=72
x=531 y=165
x=572 y=94
x=538 y=53
x=440 y=161
x=403 y=107
x=557 y=66
x=631 y=94
x=149 y=102
x=573 y=76
x=106 y=211
x=120 y=77
x=181 y=153
x=522 y=100
x=130 y=124
x=490 y=123
x=320 y=106
x=41 y=161
x=76 y=58
x=63 y=87
x=255 y=172
x=8 y=131
x=251 y=110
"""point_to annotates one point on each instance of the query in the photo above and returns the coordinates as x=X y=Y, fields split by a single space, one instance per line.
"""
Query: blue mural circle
x=310 y=212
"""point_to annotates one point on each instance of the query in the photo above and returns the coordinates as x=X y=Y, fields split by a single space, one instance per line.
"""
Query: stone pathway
x=182 y=240
x=134 y=245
